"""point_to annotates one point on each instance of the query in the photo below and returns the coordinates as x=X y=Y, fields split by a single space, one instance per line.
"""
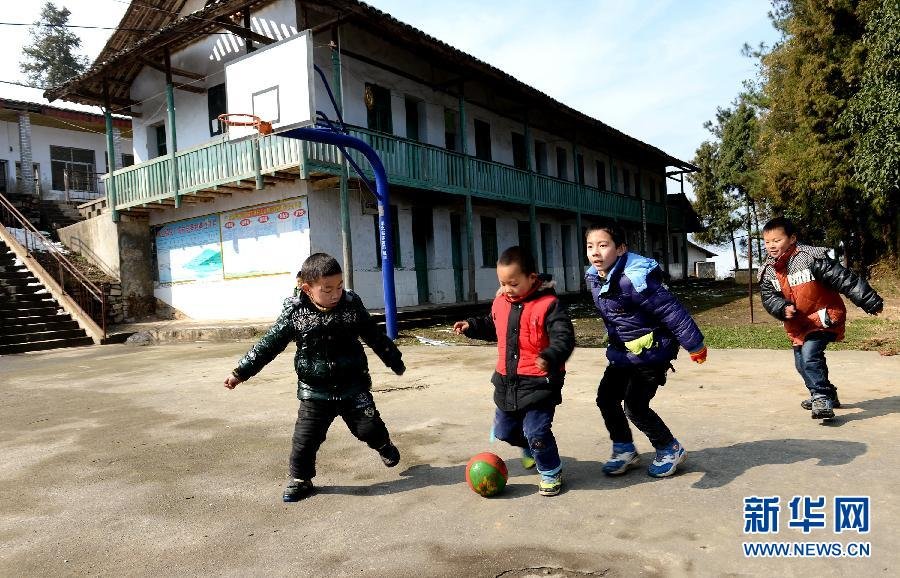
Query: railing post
x=172 y=137
x=346 y=240
x=257 y=163
x=111 y=193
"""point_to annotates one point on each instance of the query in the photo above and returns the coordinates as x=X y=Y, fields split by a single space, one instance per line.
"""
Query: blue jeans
x=531 y=428
x=809 y=359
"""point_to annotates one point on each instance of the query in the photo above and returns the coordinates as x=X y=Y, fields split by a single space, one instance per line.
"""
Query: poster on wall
x=265 y=240
x=189 y=250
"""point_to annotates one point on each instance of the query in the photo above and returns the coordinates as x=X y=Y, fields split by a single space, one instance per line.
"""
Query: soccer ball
x=486 y=474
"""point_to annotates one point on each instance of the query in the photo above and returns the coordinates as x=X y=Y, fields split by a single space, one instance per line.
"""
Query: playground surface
x=125 y=460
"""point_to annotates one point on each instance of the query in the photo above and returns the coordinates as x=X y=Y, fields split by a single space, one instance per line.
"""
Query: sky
x=654 y=69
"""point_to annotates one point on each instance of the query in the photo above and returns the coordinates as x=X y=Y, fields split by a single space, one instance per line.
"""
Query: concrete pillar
x=25 y=184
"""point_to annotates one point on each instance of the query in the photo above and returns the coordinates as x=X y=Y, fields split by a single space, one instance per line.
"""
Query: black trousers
x=635 y=385
x=314 y=418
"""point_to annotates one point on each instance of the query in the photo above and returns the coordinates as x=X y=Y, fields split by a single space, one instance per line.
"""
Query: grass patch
x=722 y=310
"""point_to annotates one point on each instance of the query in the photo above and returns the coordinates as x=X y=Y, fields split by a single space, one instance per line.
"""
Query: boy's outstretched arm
x=377 y=339
x=853 y=286
x=661 y=303
x=266 y=349
x=477 y=328
x=772 y=298
x=562 y=336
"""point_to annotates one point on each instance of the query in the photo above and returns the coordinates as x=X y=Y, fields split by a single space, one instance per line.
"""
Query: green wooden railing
x=407 y=162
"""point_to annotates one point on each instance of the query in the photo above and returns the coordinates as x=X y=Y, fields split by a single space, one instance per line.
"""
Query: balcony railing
x=408 y=163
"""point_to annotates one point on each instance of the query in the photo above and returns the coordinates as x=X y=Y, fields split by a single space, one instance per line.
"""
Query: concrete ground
x=124 y=460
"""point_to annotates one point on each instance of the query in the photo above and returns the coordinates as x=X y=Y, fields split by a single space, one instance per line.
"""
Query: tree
x=715 y=209
x=50 y=59
x=805 y=165
x=873 y=115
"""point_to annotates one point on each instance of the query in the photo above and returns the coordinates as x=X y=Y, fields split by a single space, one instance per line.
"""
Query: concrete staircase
x=28 y=315
x=58 y=214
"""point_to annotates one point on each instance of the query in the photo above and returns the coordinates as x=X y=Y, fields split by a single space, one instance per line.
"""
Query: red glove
x=699 y=356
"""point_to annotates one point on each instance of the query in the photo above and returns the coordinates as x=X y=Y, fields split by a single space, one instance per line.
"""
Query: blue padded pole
x=384 y=214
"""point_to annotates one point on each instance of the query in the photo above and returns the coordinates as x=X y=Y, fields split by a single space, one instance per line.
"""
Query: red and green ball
x=486 y=474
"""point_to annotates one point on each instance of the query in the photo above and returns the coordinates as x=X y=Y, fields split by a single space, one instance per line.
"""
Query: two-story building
x=56 y=153
x=477 y=161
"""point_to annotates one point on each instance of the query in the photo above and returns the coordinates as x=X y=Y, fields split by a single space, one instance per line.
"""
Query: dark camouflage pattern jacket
x=330 y=361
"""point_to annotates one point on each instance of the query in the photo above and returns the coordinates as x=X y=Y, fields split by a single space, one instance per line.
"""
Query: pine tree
x=50 y=58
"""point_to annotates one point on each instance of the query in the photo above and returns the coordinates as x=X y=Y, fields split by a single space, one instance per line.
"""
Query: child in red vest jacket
x=534 y=338
x=801 y=286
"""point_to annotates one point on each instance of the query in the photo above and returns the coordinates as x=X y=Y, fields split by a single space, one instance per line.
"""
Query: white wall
x=42 y=138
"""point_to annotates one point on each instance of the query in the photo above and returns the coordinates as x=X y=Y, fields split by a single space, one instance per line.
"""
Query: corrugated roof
x=125 y=63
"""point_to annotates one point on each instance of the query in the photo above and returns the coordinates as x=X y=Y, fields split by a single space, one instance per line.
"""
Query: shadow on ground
x=720 y=467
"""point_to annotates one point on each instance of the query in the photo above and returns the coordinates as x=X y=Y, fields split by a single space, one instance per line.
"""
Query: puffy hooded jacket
x=645 y=322
x=536 y=325
x=806 y=278
x=330 y=361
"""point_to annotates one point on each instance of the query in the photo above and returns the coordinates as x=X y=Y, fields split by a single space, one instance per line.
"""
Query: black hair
x=300 y=274
x=781 y=223
x=614 y=229
x=519 y=256
x=319 y=265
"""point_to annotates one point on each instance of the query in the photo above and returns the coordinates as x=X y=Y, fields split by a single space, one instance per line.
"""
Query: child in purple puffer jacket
x=646 y=324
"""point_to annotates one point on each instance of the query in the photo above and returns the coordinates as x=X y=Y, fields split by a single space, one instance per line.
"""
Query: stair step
x=23 y=293
x=29 y=312
x=37 y=327
x=27 y=320
x=41 y=336
x=22 y=302
x=16 y=274
x=44 y=345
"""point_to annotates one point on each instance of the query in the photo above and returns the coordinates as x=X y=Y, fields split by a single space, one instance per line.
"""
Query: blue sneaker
x=667 y=460
x=528 y=459
x=624 y=456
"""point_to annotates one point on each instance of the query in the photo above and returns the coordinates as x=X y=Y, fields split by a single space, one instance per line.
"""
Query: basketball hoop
x=243 y=119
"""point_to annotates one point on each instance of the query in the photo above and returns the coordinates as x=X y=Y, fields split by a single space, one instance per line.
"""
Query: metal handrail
x=87 y=294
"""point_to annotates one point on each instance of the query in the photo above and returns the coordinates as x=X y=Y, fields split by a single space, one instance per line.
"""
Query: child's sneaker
x=550 y=485
x=624 y=456
x=835 y=402
x=390 y=455
x=667 y=460
x=297 y=489
x=822 y=408
x=528 y=458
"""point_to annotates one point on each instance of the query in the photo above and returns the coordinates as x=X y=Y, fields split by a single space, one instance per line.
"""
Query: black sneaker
x=822 y=408
x=835 y=402
x=296 y=490
x=390 y=455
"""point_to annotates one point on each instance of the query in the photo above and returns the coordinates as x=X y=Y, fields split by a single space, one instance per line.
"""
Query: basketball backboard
x=274 y=83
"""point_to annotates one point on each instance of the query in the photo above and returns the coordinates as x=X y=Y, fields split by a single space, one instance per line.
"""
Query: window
x=378 y=105
x=488 y=242
x=579 y=169
x=216 y=104
x=566 y=234
x=413 y=131
x=546 y=247
x=601 y=175
x=520 y=156
x=614 y=173
x=637 y=184
x=395 y=232
x=540 y=157
x=451 y=130
x=482 y=140
x=4 y=179
x=525 y=235
x=72 y=169
x=156 y=140
x=662 y=191
x=127 y=160
x=561 y=164
x=626 y=175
